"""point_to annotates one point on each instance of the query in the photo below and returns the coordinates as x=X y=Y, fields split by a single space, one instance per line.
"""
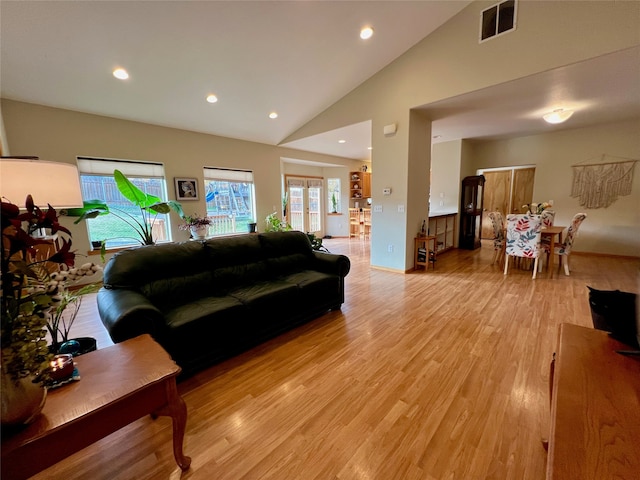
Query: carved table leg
x=177 y=410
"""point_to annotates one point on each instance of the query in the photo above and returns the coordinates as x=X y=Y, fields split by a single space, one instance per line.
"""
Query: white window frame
x=132 y=169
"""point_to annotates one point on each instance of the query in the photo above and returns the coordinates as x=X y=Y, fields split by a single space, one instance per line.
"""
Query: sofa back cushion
x=234 y=261
x=286 y=252
x=135 y=267
x=164 y=273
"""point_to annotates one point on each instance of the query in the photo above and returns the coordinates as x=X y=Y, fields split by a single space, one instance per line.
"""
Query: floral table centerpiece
x=196 y=224
x=536 y=208
x=24 y=350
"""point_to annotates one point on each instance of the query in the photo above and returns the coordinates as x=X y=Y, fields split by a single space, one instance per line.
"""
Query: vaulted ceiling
x=294 y=58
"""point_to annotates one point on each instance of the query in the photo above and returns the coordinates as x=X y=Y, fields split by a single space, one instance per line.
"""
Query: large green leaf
x=90 y=209
x=133 y=193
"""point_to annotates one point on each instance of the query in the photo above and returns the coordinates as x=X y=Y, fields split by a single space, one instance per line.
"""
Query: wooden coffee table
x=118 y=385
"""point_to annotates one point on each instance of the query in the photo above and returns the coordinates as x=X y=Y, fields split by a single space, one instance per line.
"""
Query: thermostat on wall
x=386 y=191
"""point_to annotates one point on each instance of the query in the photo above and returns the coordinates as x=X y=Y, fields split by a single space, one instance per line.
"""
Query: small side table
x=423 y=254
x=119 y=384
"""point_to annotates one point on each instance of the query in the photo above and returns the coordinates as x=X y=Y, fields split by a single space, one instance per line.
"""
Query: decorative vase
x=22 y=401
x=77 y=346
x=199 y=232
x=252 y=227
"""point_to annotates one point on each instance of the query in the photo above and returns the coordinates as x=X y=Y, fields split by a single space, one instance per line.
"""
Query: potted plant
x=150 y=207
x=334 y=203
x=25 y=302
x=196 y=224
x=274 y=224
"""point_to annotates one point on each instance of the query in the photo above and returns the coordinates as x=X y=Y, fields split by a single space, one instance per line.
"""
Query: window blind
x=130 y=168
x=211 y=173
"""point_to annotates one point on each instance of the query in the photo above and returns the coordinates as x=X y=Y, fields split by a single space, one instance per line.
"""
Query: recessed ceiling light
x=342 y=141
x=211 y=98
x=557 y=116
x=366 y=33
x=120 y=73
x=369 y=148
x=273 y=115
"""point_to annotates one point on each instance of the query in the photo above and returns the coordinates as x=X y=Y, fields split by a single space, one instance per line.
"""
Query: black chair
x=614 y=311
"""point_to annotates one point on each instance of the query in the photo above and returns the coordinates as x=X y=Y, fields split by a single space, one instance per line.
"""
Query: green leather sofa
x=205 y=301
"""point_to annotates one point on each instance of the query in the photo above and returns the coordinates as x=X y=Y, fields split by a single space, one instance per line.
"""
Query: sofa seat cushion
x=206 y=315
x=266 y=297
x=211 y=327
x=315 y=285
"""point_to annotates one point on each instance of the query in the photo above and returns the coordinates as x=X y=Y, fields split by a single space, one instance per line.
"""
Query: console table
x=118 y=385
x=595 y=408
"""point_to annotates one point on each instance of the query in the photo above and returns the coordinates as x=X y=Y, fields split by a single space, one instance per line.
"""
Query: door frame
x=305 y=200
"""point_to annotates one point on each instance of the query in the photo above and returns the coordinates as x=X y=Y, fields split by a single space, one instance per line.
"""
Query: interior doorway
x=305 y=204
x=506 y=190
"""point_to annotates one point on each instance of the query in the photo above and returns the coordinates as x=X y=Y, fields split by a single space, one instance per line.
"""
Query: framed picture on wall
x=186 y=188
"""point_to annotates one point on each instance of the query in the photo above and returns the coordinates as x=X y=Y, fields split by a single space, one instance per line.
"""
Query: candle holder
x=61 y=367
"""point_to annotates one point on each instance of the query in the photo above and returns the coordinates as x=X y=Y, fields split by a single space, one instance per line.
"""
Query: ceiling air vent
x=497 y=19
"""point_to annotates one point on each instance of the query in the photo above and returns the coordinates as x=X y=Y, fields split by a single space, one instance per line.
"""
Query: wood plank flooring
x=432 y=375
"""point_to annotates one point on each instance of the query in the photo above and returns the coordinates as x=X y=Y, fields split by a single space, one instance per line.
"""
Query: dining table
x=552 y=232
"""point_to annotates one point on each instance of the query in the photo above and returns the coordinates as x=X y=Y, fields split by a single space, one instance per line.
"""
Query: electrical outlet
x=400 y=208
x=390 y=248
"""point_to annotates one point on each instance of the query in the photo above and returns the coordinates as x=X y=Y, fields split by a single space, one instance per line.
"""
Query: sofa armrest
x=332 y=263
x=127 y=314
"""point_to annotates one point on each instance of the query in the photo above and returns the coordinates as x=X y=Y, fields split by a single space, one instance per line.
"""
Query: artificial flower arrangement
x=536 y=208
x=32 y=297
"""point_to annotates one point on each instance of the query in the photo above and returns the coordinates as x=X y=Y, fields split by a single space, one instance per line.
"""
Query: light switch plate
x=377 y=208
x=400 y=208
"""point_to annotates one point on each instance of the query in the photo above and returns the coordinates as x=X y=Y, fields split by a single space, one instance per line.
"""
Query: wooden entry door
x=522 y=188
x=506 y=190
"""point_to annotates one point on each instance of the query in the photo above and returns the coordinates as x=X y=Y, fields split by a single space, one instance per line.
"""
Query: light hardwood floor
x=430 y=375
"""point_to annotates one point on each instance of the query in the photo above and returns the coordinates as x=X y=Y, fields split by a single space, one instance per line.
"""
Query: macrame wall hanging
x=598 y=185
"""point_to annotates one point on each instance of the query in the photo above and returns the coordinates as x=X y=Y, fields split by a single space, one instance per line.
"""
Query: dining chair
x=366 y=220
x=498 y=234
x=523 y=239
x=548 y=217
x=354 y=222
x=564 y=249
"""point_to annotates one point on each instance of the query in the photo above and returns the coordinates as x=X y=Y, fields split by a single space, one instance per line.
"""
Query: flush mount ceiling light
x=557 y=116
x=120 y=73
x=273 y=115
x=342 y=141
x=211 y=98
x=366 y=33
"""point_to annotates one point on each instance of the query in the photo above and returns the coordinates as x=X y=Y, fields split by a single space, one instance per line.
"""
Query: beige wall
x=62 y=135
x=613 y=230
x=448 y=62
x=451 y=62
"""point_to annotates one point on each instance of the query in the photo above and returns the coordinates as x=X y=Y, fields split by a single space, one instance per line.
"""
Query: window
x=333 y=190
x=97 y=183
x=497 y=19
x=230 y=200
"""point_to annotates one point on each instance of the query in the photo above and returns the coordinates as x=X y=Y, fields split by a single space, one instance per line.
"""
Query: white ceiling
x=295 y=57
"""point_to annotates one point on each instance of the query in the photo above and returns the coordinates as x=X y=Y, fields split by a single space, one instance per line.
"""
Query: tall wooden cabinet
x=471 y=205
x=359 y=186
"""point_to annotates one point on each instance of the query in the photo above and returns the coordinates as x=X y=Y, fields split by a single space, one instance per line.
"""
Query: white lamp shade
x=53 y=183
x=557 y=116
